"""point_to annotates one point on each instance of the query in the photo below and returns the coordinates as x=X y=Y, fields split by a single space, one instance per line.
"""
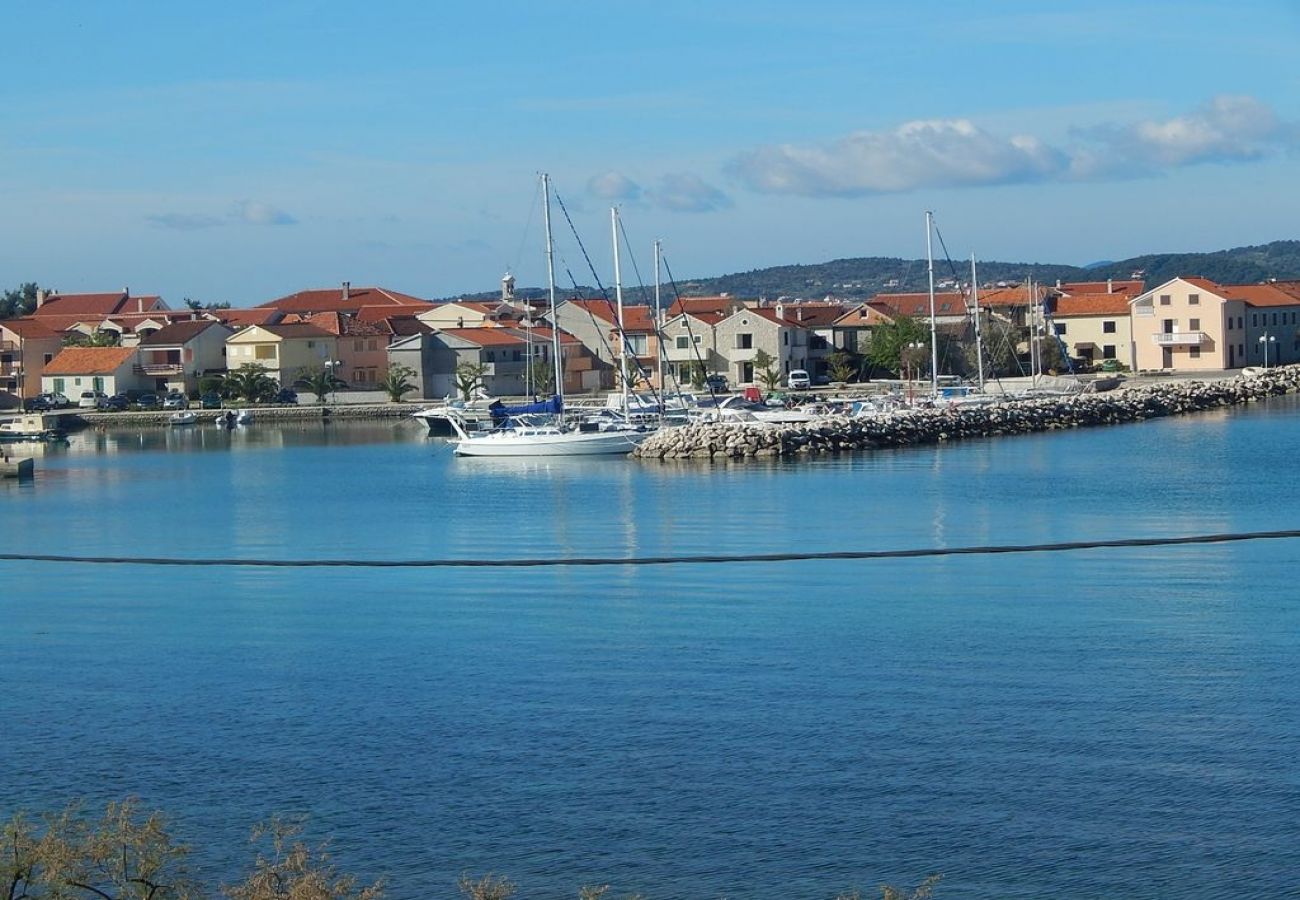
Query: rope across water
x=718 y=558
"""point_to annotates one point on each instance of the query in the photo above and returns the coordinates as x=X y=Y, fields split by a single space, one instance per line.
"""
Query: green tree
x=94 y=339
x=397 y=382
x=541 y=373
x=892 y=344
x=320 y=382
x=696 y=373
x=250 y=382
x=469 y=377
x=20 y=301
x=765 y=368
x=843 y=365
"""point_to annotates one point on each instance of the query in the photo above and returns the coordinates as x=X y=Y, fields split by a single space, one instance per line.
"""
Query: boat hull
x=575 y=443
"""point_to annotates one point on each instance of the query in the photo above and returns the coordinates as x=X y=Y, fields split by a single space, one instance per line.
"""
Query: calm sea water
x=1086 y=724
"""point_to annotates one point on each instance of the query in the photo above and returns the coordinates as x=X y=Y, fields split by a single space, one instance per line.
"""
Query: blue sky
x=241 y=151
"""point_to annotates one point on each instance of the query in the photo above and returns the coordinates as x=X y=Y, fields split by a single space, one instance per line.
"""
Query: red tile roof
x=96 y=304
x=1092 y=305
x=865 y=314
x=292 y=330
x=380 y=313
x=917 y=306
x=178 y=333
x=28 y=329
x=89 y=360
x=1011 y=296
x=240 y=318
x=697 y=305
x=637 y=317
x=1260 y=295
x=331 y=299
x=488 y=337
x=1114 y=286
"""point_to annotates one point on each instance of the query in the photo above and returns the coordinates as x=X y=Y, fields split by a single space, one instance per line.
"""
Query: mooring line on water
x=712 y=558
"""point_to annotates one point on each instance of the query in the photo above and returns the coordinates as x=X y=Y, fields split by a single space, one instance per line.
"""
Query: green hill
x=858 y=279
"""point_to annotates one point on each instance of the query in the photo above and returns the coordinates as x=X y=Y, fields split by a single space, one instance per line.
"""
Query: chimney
x=41 y=296
x=347 y=290
x=1058 y=284
x=1110 y=286
x=780 y=310
x=798 y=314
x=139 y=304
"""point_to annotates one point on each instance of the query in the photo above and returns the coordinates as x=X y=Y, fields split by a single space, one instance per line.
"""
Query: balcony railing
x=1180 y=338
x=159 y=369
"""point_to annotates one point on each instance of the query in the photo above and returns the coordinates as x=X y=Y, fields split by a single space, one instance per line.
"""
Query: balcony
x=1180 y=338
x=155 y=369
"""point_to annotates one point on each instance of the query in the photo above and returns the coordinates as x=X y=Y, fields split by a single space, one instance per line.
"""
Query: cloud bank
x=676 y=192
x=245 y=212
x=958 y=153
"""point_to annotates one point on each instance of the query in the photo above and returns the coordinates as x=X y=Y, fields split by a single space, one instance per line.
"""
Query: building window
x=785 y=338
x=58 y=385
x=264 y=351
x=1108 y=351
x=1195 y=353
x=1060 y=327
x=1193 y=299
x=683 y=342
x=1165 y=300
x=518 y=356
x=49 y=358
x=638 y=344
x=1194 y=325
x=744 y=341
x=491 y=356
x=1254 y=319
x=1107 y=327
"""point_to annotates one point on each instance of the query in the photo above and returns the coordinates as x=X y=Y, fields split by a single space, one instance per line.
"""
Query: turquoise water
x=1095 y=723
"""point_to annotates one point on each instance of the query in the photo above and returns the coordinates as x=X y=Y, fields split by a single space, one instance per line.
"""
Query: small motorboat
x=184 y=417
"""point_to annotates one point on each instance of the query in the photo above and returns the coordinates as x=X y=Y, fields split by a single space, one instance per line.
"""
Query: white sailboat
x=522 y=433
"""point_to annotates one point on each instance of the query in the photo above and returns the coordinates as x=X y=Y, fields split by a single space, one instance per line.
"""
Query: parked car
x=90 y=399
x=286 y=396
x=211 y=400
x=147 y=401
x=798 y=380
x=57 y=400
x=38 y=404
x=176 y=400
x=115 y=403
x=716 y=383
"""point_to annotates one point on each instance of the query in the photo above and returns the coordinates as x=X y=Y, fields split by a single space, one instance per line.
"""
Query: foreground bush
x=127 y=855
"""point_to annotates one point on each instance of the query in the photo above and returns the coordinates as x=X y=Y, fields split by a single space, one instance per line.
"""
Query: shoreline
x=931 y=426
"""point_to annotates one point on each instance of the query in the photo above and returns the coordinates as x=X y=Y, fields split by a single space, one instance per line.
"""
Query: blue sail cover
x=553 y=406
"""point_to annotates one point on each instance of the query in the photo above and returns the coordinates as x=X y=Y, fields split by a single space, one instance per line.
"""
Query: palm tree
x=320 y=382
x=765 y=368
x=250 y=382
x=468 y=377
x=396 y=382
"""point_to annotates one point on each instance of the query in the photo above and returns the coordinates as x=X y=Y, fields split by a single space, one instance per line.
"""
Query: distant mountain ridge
x=862 y=278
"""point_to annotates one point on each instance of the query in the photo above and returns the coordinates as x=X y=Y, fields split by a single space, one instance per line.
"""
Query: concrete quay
x=931 y=426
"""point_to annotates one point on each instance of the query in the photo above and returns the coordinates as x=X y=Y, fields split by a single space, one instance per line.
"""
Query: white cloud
x=185 y=221
x=1227 y=129
x=951 y=152
x=254 y=213
x=959 y=153
x=683 y=192
x=614 y=187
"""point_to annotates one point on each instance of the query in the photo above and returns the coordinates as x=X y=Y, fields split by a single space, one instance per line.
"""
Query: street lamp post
x=334 y=379
x=1265 y=339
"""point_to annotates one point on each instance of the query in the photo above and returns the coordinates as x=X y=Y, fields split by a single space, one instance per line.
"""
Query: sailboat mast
x=658 y=318
x=550 y=284
x=934 y=342
x=979 y=335
x=618 y=294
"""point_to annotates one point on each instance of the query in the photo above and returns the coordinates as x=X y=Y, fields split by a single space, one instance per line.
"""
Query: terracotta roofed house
x=75 y=370
x=27 y=345
x=177 y=356
x=286 y=351
x=345 y=298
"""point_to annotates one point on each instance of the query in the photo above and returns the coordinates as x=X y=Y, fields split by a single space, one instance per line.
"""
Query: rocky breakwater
x=931 y=426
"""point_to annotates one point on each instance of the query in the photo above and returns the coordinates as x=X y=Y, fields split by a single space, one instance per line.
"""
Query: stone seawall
x=265 y=414
x=931 y=426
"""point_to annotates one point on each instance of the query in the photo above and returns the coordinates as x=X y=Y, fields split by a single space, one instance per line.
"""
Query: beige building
x=1194 y=324
x=1094 y=327
x=26 y=347
x=287 y=351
